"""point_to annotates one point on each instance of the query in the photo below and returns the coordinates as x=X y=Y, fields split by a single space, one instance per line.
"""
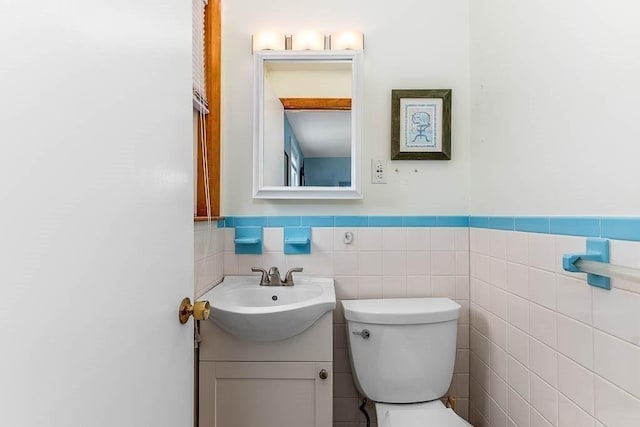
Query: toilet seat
x=427 y=418
x=425 y=414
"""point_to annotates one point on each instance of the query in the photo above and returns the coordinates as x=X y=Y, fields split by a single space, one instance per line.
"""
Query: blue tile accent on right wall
x=479 y=221
x=502 y=223
x=532 y=224
x=621 y=228
x=575 y=226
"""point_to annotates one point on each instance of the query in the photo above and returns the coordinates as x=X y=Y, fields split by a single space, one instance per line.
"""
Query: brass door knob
x=200 y=310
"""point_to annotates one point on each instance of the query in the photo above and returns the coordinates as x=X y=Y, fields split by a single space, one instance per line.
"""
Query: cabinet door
x=265 y=394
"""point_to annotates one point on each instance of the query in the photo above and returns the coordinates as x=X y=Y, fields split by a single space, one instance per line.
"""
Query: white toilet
x=402 y=356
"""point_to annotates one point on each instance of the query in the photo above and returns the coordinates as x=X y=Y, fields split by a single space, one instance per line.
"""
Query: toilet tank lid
x=401 y=310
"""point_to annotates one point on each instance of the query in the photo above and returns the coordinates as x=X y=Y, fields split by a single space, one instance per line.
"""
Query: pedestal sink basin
x=243 y=308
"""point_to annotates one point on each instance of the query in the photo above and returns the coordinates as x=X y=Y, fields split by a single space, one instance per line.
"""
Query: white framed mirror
x=307 y=124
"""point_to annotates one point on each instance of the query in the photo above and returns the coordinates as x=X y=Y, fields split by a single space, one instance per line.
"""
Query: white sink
x=243 y=308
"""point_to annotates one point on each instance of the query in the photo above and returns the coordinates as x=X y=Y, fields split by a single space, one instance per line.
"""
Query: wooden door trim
x=316 y=103
x=212 y=38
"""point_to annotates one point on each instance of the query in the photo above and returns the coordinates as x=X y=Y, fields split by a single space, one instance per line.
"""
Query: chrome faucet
x=272 y=277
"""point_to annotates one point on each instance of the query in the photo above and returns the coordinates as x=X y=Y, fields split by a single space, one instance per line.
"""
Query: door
x=96 y=228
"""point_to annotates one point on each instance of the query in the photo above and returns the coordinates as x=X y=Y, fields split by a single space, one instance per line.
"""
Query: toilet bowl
x=402 y=356
x=426 y=414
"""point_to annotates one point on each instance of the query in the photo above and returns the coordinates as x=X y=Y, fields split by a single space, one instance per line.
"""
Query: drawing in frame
x=421 y=124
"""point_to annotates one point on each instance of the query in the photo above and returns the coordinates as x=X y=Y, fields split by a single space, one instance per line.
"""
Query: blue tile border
x=283 y=221
x=452 y=221
x=351 y=221
x=250 y=221
x=385 y=221
x=347 y=221
x=479 y=222
x=575 y=226
x=502 y=223
x=317 y=221
x=532 y=224
x=619 y=228
x=419 y=221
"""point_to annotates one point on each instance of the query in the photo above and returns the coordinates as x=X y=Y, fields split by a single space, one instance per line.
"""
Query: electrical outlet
x=378 y=172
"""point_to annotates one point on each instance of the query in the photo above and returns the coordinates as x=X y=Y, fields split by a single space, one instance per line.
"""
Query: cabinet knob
x=323 y=374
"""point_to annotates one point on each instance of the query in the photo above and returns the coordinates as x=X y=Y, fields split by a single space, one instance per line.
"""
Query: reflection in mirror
x=318 y=144
x=305 y=131
x=307 y=106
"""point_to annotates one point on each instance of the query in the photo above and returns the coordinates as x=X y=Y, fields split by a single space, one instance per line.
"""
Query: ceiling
x=322 y=133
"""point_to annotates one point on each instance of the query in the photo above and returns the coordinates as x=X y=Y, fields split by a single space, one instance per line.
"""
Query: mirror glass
x=306 y=133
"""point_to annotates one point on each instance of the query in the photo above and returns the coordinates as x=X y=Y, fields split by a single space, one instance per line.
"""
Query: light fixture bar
x=307 y=40
x=268 y=40
x=352 y=40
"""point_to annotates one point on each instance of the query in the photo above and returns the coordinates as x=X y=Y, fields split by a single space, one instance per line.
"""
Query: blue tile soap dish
x=297 y=240
x=248 y=240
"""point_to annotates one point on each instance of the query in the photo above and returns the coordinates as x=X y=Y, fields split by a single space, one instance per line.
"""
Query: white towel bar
x=608 y=270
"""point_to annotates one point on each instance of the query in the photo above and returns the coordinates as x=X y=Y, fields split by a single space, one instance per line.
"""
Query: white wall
x=408 y=45
x=555 y=107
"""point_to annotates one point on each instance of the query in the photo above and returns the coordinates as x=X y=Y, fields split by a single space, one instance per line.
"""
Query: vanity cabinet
x=271 y=384
x=265 y=394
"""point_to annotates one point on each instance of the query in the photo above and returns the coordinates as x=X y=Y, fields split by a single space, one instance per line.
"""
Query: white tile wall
x=572 y=356
x=208 y=242
x=386 y=262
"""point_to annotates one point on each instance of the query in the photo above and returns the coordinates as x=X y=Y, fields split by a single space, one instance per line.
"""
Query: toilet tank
x=409 y=351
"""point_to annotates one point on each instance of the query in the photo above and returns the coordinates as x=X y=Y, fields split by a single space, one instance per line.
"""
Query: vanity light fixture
x=269 y=40
x=307 y=40
x=352 y=40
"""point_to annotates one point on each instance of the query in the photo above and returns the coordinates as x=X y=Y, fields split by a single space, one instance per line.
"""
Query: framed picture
x=421 y=124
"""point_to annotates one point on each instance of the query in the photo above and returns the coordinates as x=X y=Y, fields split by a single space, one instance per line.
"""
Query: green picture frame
x=421 y=124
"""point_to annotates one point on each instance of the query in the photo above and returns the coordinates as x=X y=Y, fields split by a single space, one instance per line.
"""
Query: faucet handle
x=288 y=280
x=264 y=280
